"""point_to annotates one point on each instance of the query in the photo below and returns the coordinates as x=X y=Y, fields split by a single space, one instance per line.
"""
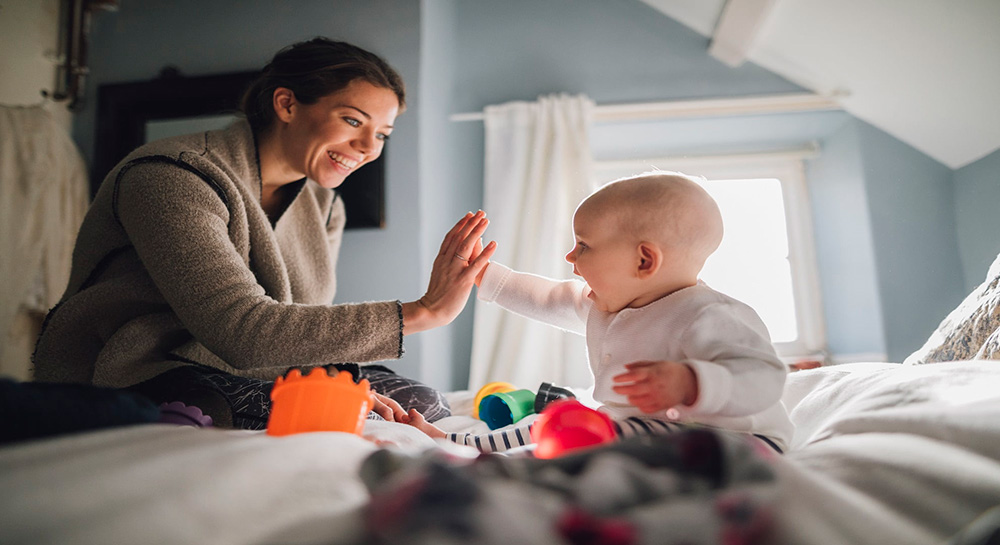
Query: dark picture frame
x=125 y=109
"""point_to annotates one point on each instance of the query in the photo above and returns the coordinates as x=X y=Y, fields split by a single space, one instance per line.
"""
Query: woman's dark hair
x=314 y=69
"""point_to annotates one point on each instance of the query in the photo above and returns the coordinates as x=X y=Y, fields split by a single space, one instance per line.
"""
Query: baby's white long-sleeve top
x=740 y=377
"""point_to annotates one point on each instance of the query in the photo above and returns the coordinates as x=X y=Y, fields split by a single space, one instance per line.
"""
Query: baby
x=664 y=348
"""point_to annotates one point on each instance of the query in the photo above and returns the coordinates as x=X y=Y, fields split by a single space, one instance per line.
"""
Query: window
x=766 y=259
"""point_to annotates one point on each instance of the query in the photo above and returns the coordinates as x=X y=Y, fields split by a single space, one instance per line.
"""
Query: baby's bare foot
x=415 y=419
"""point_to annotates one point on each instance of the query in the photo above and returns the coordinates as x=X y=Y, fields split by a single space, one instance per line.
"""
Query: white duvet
x=882 y=454
x=885 y=453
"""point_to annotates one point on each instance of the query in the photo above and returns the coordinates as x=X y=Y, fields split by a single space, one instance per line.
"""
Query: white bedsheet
x=883 y=454
x=165 y=484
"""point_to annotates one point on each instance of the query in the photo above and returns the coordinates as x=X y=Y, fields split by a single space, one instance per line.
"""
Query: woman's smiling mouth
x=342 y=160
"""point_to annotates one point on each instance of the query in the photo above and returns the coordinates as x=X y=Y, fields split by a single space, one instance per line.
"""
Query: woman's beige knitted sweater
x=176 y=261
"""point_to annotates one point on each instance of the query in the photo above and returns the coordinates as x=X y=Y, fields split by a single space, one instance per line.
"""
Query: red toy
x=568 y=425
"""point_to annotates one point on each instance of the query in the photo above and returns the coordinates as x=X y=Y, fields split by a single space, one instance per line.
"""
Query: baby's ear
x=650 y=259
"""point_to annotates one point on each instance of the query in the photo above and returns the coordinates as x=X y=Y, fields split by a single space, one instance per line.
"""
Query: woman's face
x=332 y=138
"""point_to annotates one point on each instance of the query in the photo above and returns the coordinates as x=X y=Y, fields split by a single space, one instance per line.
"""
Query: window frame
x=788 y=167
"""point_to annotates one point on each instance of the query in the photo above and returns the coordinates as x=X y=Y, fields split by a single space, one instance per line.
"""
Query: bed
x=884 y=453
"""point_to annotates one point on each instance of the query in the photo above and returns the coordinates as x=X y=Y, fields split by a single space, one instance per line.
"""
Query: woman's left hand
x=387 y=408
x=455 y=270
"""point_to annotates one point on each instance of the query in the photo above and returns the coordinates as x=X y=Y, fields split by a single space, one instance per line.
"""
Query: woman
x=205 y=266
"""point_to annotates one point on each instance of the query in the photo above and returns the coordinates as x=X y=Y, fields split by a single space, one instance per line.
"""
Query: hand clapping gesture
x=458 y=264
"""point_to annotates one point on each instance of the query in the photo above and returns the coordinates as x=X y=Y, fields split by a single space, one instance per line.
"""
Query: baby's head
x=643 y=237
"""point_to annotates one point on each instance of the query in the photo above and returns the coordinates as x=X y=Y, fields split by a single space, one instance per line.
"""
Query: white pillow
x=971 y=330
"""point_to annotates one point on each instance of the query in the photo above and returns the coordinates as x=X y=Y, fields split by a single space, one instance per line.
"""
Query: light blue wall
x=912 y=206
x=614 y=51
x=845 y=252
x=444 y=196
x=977 y=194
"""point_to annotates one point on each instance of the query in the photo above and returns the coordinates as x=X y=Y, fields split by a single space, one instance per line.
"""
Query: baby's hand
x=476 y=250
x=654 y=386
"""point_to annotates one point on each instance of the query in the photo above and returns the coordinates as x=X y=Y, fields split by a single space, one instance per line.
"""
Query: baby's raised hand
x=476 y=250
x=654 y=386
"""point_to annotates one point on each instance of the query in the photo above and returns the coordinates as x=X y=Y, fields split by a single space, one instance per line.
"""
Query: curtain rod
x=809 y=151
x=761 y=104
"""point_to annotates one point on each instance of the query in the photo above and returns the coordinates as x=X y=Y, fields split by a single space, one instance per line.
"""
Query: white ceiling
x=924 y=71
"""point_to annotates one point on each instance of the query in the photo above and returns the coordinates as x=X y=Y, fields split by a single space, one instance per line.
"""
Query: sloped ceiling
x=924 y=71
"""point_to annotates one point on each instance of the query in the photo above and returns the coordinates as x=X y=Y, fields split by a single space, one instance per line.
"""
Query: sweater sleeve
x=738 y=371
x=179 y=227
x=560 y=303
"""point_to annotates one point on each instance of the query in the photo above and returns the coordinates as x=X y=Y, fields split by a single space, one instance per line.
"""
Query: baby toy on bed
x=500 y=404
x=318 y=402
x=561 y=424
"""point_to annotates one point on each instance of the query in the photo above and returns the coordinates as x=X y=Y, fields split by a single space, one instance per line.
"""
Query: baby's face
x=605 y=259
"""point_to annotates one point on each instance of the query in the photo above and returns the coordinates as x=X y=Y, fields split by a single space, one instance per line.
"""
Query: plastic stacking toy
x=490 y=388
x=318 y=402
x=548 y=393
x=568 y=425
x=498 y=406
x=504 y=408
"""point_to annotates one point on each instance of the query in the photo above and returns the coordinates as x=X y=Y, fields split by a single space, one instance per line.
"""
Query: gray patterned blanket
x=698 y=486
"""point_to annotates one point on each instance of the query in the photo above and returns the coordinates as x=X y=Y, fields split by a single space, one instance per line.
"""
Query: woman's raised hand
x=456 y=267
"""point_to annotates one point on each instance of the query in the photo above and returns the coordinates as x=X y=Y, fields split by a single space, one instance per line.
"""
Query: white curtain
x=538 y=168
x=43 y=198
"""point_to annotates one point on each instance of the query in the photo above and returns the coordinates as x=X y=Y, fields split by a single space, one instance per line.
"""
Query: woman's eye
x=352 y=122
x=581 y=246
x=383 y=137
